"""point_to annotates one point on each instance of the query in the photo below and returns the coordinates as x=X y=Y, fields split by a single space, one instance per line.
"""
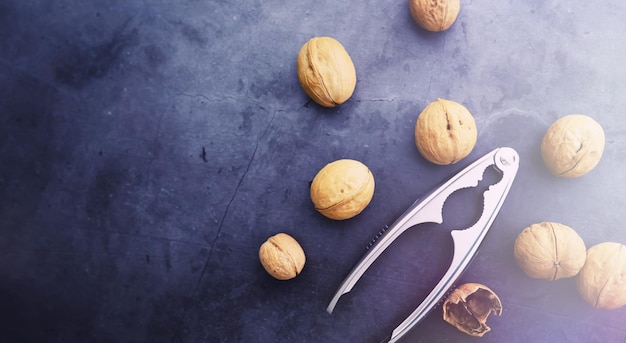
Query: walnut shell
x=282 y=256
x=550 y=251
x=326 y=72
x=434 y=15
x=573 y=145
x=342 y=189
x=468 y=307
x=602 y=281
x=445 y=132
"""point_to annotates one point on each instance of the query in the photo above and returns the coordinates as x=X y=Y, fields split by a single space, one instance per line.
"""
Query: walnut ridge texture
x=326 y=71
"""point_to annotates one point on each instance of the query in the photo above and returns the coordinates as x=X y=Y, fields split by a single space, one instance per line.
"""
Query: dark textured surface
x=147 y=149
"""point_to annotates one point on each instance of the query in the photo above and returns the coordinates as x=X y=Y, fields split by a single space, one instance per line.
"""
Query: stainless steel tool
x=430 y=209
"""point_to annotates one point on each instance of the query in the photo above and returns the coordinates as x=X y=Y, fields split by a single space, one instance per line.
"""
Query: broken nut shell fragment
x=468 y=307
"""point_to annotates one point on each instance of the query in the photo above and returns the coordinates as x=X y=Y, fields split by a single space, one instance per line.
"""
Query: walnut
x=468 y=307
x=549 y=251
x=573 y=145
x=282 y=256
x=445 y=132
x=434 y=15
x=342 y=189
x=602 y=281
x=326 y=72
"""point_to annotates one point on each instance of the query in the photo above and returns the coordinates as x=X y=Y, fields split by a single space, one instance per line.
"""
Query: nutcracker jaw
x=430 y=209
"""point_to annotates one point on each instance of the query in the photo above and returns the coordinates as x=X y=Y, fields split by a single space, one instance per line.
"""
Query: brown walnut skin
x=342 y=189
x=602 y=281
x=445 y=132
x=434 y=15
x=282 y=256
x=326 y=72
x=549 y=251
x=468 y=307
x=573 y=145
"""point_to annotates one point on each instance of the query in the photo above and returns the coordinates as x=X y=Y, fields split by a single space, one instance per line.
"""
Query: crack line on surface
x=377 y=100
x=224 y=98
x=221 y=224
x=430 y=82
x=494 y=117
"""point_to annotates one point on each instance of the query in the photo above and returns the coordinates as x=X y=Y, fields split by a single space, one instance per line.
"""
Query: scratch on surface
x=222 y=220
x=489 y=119
x=430 y=82
x=378 y=100
x=220 y=98
x=241 y=179
x=202 y=96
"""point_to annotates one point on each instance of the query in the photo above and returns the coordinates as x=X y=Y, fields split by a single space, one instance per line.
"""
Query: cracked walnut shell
x=550 y=251
x=573 y=145
x=342 y=189
x=602 y=281
x=468 y=307
x=326 y=72
x=282 y=256
x=434 y=15
x=445 y=132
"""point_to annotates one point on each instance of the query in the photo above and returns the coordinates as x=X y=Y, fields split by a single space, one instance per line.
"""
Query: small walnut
x=550 y=251
x=573 y=145
x=342 y=189
x=445 y=132
x=602 y=281
x=434 y=15
x=282 y=256
x=468 y=307
x=326 y=72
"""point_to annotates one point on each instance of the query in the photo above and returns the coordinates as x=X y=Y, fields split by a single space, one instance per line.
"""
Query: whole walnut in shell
x=326 y=72
x=573 y=145
x=602 y=281
x=468 y=307
x=445 y=132
x=342 y=189
x=434 y=15
x=550 y=251
x=282 y=256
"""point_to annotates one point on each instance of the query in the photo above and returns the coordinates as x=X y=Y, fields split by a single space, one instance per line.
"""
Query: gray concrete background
x=148 y=148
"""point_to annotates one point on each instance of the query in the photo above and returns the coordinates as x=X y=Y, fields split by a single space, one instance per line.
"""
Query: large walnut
x=282 y=256
x=326 y=72
x=572 y=145
x=445 y=132
x=550 y=251
x=468 y=307
x=602 y=281
x=342 y=189
x=434 y=15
